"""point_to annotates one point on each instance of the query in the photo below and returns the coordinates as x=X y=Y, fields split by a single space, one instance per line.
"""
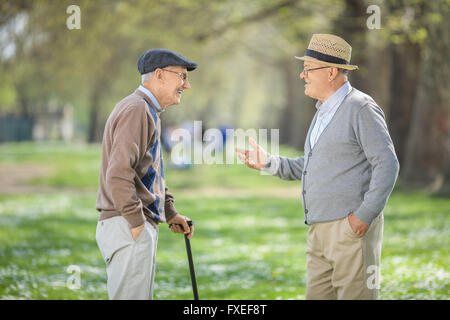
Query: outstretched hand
x=256 y=158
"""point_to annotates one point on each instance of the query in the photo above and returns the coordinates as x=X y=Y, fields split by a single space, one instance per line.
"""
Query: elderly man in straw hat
x=348 y=172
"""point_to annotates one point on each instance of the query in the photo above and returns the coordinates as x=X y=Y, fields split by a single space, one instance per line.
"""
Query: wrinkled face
x=316 y=81
x=173 y=85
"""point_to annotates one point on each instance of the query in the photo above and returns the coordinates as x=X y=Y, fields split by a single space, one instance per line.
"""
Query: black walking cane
x=191 y=262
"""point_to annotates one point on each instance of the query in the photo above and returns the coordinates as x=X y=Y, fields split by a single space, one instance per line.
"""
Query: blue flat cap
x=160 y=58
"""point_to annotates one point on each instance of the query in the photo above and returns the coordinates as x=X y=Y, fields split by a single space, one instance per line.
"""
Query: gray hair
x=343 y=71
x=146 y=76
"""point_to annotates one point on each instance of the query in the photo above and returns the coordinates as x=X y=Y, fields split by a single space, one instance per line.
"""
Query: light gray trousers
x=130 y=265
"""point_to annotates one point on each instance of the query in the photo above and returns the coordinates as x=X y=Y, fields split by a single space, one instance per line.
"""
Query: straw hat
x=330 y=50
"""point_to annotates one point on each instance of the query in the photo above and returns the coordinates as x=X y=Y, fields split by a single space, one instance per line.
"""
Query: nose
x=302 y=74
x=186 y=85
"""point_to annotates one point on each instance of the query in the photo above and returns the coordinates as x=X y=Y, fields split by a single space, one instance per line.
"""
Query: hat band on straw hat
x=325 y=57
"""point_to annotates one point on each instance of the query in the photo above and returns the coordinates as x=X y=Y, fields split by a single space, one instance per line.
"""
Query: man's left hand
x=358 y=227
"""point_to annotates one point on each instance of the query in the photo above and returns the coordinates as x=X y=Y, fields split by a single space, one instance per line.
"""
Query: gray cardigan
x=352 y=167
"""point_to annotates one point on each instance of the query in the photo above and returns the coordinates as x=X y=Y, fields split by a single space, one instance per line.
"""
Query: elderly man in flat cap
x=348 y=171
x=132 y=197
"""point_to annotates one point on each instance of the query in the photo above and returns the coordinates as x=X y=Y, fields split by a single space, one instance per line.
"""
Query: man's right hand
x=178 y=224
x=136 y=232
x=255 y=159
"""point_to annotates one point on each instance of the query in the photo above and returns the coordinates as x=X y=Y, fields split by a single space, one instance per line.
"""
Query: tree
x=351 y=26
x=427 y=147
x=405 y=68
x=406 y=40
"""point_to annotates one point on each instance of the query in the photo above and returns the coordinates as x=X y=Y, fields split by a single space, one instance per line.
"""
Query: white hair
x=343 y=71
x=146 y=76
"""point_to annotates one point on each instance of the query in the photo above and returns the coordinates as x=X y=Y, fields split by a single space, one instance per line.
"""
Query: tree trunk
x=299 y=109
x=427 y=148
x=94 y=134
x=351 y=26
x=445 y=188
x=402 y=91
x=288 y=113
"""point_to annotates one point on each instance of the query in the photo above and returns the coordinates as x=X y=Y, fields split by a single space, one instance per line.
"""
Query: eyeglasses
x=305 y=71
x=182 y=75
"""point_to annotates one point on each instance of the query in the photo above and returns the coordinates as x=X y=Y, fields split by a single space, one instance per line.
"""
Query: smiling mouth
x=180 y=92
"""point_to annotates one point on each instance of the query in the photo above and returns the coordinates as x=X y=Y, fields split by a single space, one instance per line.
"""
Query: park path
x=221 y=192
x=15 y=179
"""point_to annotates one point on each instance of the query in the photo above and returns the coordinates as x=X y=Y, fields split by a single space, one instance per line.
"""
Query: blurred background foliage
x=247 y=77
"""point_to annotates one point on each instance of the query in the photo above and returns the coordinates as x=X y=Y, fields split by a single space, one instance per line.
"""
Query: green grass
x=249 y=243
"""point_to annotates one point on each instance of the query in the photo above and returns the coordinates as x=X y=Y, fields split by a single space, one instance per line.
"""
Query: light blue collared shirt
x=152 y=98
x=327 y=110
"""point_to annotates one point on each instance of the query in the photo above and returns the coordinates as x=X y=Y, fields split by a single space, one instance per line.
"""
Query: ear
x=158 y=74
x=333 y=73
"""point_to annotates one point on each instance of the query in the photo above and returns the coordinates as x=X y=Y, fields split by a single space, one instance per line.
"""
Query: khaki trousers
x=340 y=264
x=130 y=265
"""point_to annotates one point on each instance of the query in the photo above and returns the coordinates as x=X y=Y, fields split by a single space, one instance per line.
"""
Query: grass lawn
x=249 y=243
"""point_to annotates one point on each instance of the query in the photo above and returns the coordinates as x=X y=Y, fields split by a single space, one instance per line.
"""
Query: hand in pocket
x=136 y=232
x=358 y=227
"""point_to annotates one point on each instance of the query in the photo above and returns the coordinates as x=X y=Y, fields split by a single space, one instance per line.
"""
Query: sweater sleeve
x=285 y=168
x=130 y=136
x=373 y=136
x=169 y=207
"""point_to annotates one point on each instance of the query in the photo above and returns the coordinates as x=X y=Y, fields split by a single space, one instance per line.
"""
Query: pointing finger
x=254 y=144
x=238 y=150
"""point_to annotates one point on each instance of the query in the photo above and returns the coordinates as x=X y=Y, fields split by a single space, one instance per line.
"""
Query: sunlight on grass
x=246 y=246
